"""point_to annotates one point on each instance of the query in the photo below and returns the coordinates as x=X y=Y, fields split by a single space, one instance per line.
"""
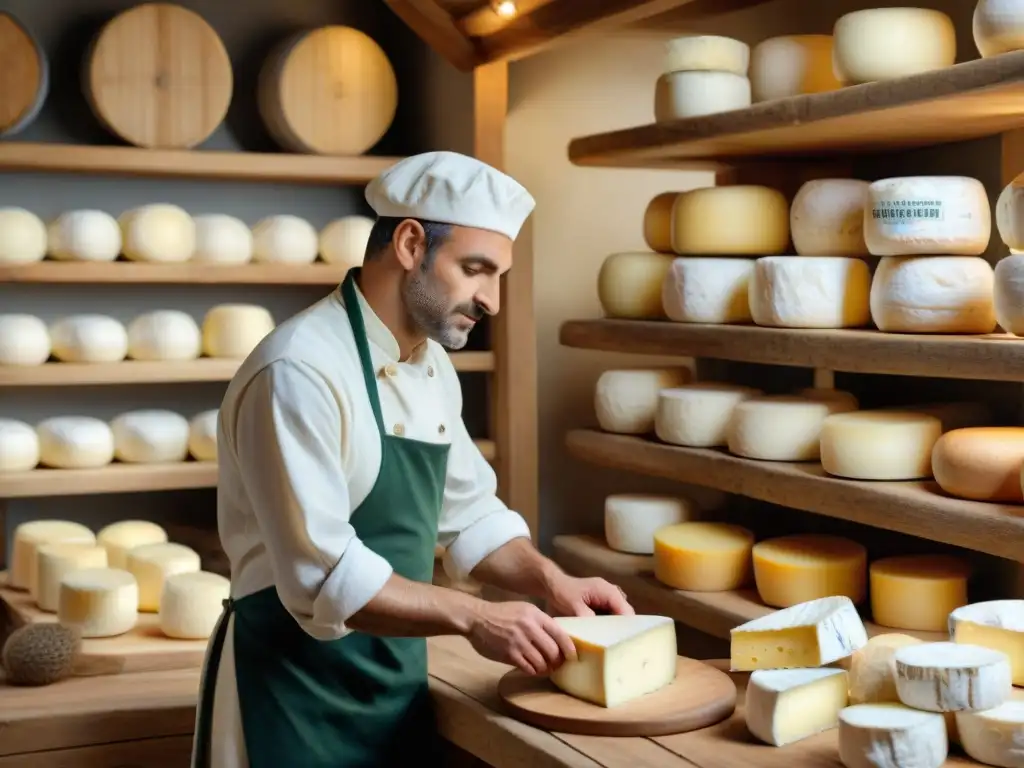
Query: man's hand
x=521 y=634
x=570 y=596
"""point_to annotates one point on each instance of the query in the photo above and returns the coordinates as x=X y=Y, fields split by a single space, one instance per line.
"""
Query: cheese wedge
x=787 y=705
x=619 y=658
x=996 y=624
x=951 y=677
x=994 y=736
x=891 y=736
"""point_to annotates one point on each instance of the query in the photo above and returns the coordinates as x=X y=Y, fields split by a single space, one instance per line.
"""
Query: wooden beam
x=436 y=28
x=485 y=21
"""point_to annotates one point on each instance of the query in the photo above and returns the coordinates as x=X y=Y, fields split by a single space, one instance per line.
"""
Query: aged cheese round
x=870 y=733
x=658 y=222
x=30 y=536
x=55 y=561
x=191 y=604
x=992 y=736
x=706 y=289
x=89 y=338
x=933 y=294
x=1008 y=294
x=159 y=232
x=222 y=239
x=872 y=670
x=711 y=53
x=827 y=218
x=745 y=220
x=703 y=557
x=980 y=463
x=164 y=334
x=19 y=446
x=1009 y=214
x=998 y=27
x=879 y=445
x=781 y=427
x=810 y=292
x=24 y=340
x=626 y=400
x=629 y=285
x=202 y=435
x=75 y=442
x=792 y=65
x=343 y=241
x=99 y=602
x=917 y=592
x=234 y=330
x=84 y=235
x=151 y=564
x=952 y=677
x=284 y=239
x=119 y=538
x=698 y=415
x=886 y=43
x=150 y=437
x=794 y=569
x=680 y=95
x=631 y=519
x=996 y=624
x=22 y=237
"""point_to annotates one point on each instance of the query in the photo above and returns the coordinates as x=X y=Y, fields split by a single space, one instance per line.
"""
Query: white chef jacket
x=299 y=449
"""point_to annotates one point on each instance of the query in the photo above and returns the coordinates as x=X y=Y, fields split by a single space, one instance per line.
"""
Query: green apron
x=361 y=700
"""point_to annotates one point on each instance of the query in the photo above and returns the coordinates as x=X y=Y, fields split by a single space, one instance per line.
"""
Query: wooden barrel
x=24 y=76
x=158 y=76
x=331 y=91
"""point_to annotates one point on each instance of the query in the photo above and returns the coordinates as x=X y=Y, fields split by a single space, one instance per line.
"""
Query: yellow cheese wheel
x=981 y=463
x=702 y=557
x=918 y=592
x=794 y=569
x=744 y=219
x=658 y=222
x=629 y=285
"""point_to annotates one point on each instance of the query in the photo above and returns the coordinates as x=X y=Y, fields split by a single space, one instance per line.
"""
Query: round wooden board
x=699 y=696
x=24 y=76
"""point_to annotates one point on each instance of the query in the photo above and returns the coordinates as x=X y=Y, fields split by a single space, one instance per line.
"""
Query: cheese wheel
x=84 y=235
x=703 y=557
x=629 y=285
x=631 y=519
x=725 y=221
x=952 y=415
x=19 y=446
x=698 y=415
x=191 y=604
x=998 y=27
x=981 y=463
x=120 y=538
x=707 y=53
x=150 y=436
x=827 y=218
x=917 y=592
x=22 y=237
x=1009 y=214
x=284 y=239
x=234 y=330
x=886 y=43
x=1008 y=294
x=879 y=445
x=995 y=624
x=151 y=564
x=792 y=65
x=30 y=536
x=873 y=669
x=222 y=239
x=810 y=292
x=891 y=735
x=626 y=400
x=343 y=241
x=99 y=602
x=658 y=222
x=794 y=569
x=75 y=442
x=951 y=677
x=780 y=427
x=202 y=435
x=707 y=290
x=847 y=400
x=682 y=95
x=54 y=562
x=89 y=338
x=925 y=215
x=158 y=233
x=24 y=340
x=165 y=335
x=992 y=736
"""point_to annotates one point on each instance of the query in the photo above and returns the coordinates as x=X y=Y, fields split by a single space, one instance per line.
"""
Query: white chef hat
x=454 y=189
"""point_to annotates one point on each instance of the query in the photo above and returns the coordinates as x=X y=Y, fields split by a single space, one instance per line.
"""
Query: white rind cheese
x=698 y=415
x=1009 y=214
x=810 y=292
x=233 y=330
x=879 y=445
x=886 y=43
x=99 y=602
x=343 y=241
x=1008 y=293
x=951 y=677
x=682 y=95
x=164 y=335
x=75 y=442
x=783 y=706
x=191 y=604
x=151 y=564
x=19 y=446
x=994 y=736
x=711 y=53
x=998 y=27
x=84 y=235
x=122 y=537
x=284 y=239
x=24 y=340
x=22 y=237
x=743 y=219
x=873 y=669
x=202 y=435
x=30 y=536
x=159 y=233
x=629 y=285
x=827 y=218
x=89 y=338
x=55 y=561
x=792 y=65
x=707 y=290
x=222 y=239
x=626 y=400
x=780 y=427
x=891 y=736
x=630 y=519
x=150 y=436
x=995 y=624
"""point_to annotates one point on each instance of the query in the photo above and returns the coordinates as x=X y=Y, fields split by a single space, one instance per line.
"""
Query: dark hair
x=383 y=231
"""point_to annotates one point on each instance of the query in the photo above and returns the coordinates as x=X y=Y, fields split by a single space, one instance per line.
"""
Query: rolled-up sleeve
x=289 y=433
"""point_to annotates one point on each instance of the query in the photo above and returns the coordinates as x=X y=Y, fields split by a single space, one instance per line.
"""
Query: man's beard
x=428 y=308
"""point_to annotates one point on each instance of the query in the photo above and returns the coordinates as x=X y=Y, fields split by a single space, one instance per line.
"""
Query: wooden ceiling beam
x=485 y=21
x=437 y=29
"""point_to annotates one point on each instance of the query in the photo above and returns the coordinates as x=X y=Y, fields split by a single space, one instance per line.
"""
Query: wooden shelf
x=916 y=508
x=993 y=357
x=966 y=101
x=191 y=164
x=712 y=612
x=183 y=274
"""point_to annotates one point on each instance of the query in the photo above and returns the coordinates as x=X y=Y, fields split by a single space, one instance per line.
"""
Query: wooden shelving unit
x=128 y=272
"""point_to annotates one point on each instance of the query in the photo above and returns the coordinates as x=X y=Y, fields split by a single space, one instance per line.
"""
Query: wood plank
x=992 y=357
x=189 y=273
x=915 y=508
x=435 y=26
x=163 y=752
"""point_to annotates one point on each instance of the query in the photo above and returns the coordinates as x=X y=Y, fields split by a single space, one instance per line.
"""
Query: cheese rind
x=783 y=706
x=123 y=536
x=24 y=340
x=89 y=338
x=54 y=561
x=631 y=519
x=159 y=233
x=998 y=27
x=629 y=285
x=827 y=218
x=994 y=736
x=658 y=222
x=19 y=446
x=781 y=427
x=202 y=435
x=1009 y=214
x=233 y=330
x=30 y=536
x=885 y=43
x=84 y=235
x=75 y=442
x=873 y=669
x=626 y=400
x=725 y=221
x=151 y=564
x=150 y=436
x=164 y=335
x=222 y=240
x=698 y=415
x=792 y=65
x=917 y=592
x=682 y=95
x=713 y=53
x=343 y=241
x=980 y=463
x=879 y=445
x=284 y=239
x=191 y=604
x=1008 y=293
x=99 y=602
x=810 y=292
x=995 y=624
x=707 y=290
x=22 y=236
x=702 y=557
x=796 y=569
x=891 y=736
x=951 y=677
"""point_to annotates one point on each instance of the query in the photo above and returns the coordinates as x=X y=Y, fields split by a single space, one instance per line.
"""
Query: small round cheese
x=681 y=95
x=1008 y=294
x=891 y=735
x=159 y=233
x=917 y=592
x=222 y=239
x=780 y=427
x=879 y=445
x=792 y=65
x=150 y=437
x=30 y=536
x=99 y=602
x=234 y=330
x=1009 y=214
x=926 y=215
x=151 y=564
x=191 y=604
x=202 y=435
x=725 y=221
x=89 y=338
x=284 y=239
x=19 y=446
x=992 y=736
x=629 y=285
x=84 y=235
x=951 y=677
x=698 y=415
x=794 y=569
x=22 y=237
x=981 y=463
x=810 y=292
x=631 y=519
x=711 y=53
x=75 y=442
x=703 y=557
x=626 y=400
x=705 y=289
x=343 y=241
x=658 y=222
x=827 y=218
x=165 y=335
x=872 y=672
x=120 y=538
x=998 y=27
x=24 y=340
x=886 y=43
x=55 y=561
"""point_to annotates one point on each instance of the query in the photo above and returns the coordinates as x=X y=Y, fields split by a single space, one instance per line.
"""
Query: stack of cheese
x=99 y=583
x=704 y=74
